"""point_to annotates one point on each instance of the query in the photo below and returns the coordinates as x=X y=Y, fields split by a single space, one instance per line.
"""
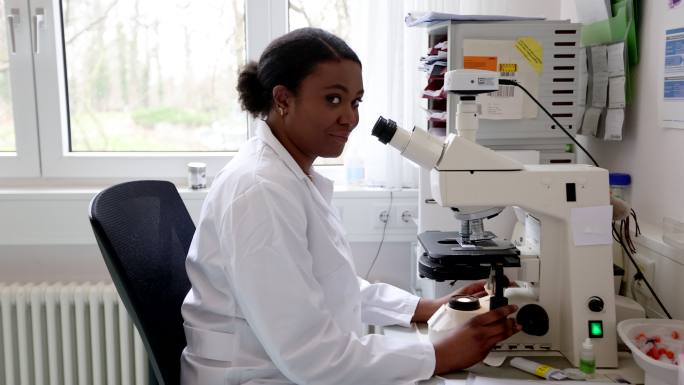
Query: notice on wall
x=673 y=79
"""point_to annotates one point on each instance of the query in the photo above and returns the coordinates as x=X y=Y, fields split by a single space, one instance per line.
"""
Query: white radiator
x=73 y=334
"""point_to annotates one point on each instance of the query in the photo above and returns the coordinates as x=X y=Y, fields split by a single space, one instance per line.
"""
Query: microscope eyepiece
x=384 y=129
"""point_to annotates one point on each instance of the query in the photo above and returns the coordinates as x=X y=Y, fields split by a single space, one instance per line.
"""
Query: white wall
x=651 y=154
x=45 y=234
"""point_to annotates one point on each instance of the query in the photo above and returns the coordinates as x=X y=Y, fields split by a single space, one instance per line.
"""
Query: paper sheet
x=599 y=59
x=583 y=77
x=592 y=225
x=599 y=89
x=615 y=118
x=426 y=18
x=616 y=92
x=673 y=79
x=598 y=69
x=590 y=122
x=508 y=102
x=477 y=380
x=616 y=59
x=589 y=11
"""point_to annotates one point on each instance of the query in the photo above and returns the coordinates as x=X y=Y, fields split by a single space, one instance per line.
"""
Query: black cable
x=515 y=83
x=384 y=230
x=639 y=272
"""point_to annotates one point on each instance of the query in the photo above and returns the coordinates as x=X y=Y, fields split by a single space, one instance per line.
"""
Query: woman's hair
x=287 y=61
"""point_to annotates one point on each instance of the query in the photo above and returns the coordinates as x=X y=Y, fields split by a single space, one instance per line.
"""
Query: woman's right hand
x=470 y=344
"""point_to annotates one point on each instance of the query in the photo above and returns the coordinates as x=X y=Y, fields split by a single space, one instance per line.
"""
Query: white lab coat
x=275 y=298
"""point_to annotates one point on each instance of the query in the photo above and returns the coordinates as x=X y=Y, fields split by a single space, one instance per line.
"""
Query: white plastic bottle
x=588 y=358
x=353 y=164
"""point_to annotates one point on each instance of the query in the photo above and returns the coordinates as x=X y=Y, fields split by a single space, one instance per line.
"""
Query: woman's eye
x=334 y=99
x=356 y=102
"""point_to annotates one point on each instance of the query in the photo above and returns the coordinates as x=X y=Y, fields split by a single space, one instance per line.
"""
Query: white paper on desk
x=616 y=92
x=599 y=89
x=592 y=225
x=615 y=118
x=513 y=104
x=477 y=380
x=590 y=122
x=616 y=59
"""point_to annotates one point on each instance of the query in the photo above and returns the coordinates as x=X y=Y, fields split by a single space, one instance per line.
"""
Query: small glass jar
x=197 y=175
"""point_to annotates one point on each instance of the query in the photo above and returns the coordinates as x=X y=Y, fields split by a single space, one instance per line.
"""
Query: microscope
x=563 y=257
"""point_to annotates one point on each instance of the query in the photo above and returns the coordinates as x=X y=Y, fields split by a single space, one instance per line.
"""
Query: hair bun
x=251 y=90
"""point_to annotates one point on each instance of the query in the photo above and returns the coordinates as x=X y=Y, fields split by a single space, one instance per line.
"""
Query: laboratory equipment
x=541 y=370
x=669 y=332
x=197 y=175
x=564 y=260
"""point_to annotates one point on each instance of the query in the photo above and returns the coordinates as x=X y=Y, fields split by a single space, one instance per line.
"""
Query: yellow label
x=487 y=63
x=542 y=370
x=508 y=67
x=532 y=51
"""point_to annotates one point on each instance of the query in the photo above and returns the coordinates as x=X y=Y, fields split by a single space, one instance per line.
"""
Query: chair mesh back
x=144 y=232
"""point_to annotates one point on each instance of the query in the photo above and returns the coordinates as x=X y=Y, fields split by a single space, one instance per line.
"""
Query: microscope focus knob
x=533 y=319
x=596 y=304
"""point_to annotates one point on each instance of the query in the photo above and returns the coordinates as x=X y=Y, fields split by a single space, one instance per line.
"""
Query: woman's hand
x=470 y=344
x=427 y=307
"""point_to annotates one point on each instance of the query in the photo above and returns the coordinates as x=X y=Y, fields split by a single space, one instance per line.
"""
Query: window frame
x=25 y=160
x=44 y=147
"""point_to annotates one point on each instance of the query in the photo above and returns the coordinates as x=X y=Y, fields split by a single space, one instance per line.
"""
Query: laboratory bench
x=627 y=369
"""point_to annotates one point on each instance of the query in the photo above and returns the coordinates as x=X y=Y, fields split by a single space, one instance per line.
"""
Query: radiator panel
x=64 y=334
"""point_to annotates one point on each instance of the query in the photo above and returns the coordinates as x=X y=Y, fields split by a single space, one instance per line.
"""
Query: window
x=145 y=77
x=7 y=139
x=333 y=16
x=134 y=88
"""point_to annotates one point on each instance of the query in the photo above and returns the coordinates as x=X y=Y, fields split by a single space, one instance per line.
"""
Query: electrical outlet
x=405 y=215
x=381 y=217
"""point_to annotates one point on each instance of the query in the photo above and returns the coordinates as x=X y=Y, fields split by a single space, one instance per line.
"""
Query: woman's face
x=325 y=109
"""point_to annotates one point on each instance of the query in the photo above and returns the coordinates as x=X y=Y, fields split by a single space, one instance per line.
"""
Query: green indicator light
x=595 y=329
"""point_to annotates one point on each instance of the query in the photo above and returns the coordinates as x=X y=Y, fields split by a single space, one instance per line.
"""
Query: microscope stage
x=446 y=258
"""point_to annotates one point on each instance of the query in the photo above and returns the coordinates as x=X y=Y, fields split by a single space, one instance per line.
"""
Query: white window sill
x=57 y=214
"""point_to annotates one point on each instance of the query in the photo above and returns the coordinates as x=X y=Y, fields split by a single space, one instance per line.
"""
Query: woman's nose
x=348 y=117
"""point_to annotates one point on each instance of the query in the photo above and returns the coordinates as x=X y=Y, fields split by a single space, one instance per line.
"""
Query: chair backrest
x=144 y=232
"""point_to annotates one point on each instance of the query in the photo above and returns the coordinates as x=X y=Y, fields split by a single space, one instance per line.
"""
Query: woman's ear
x=281 y=99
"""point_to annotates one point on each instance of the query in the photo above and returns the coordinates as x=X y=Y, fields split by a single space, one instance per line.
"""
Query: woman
x=275 y=298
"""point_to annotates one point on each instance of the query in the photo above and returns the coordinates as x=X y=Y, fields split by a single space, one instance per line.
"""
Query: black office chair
x=144 y=232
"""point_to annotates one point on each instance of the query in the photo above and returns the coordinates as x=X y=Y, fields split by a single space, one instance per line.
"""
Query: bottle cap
x=587 y=344
x=619 y=179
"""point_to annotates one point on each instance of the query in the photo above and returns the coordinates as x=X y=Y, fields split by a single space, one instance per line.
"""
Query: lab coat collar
x=324 y=185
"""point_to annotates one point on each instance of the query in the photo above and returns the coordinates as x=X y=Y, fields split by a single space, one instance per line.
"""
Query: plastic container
x=197 y=175
x=588 y=358
x=619 y=185
x=354 y=169
x=656 y=372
